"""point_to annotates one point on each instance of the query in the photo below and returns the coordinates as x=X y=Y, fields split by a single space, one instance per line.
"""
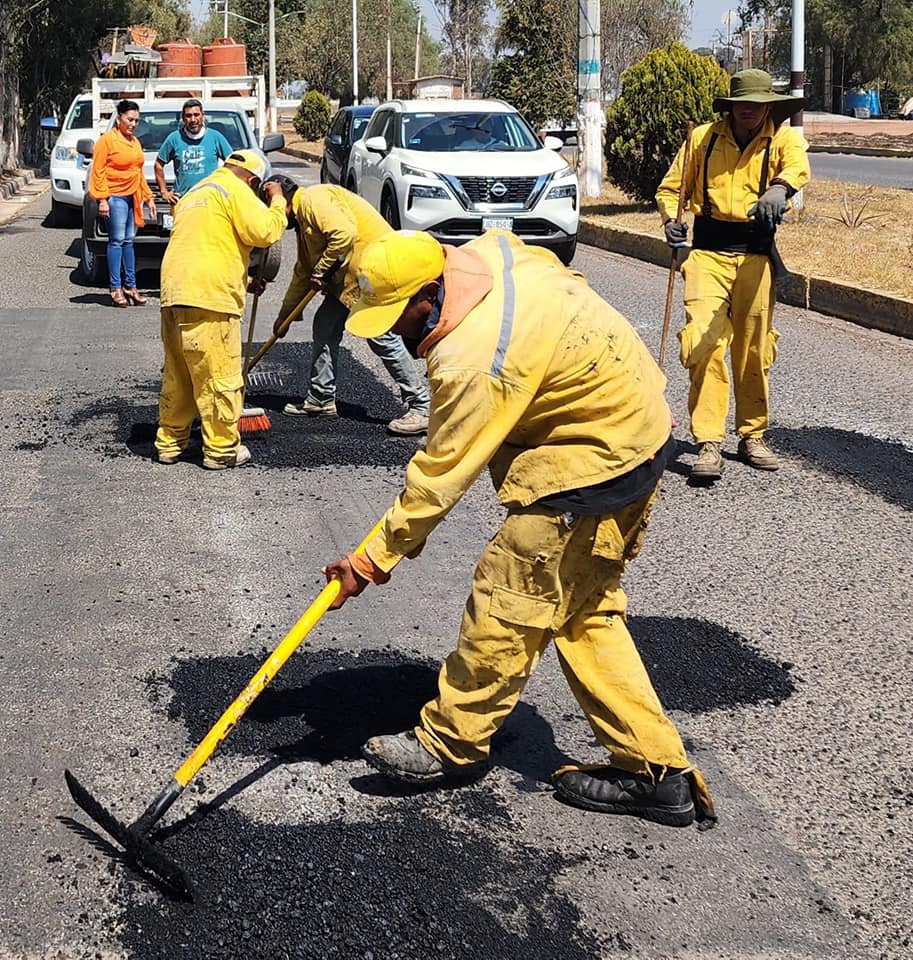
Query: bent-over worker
x=537 y=378
x=204 y=280
x=334 y=223
x=742 y=171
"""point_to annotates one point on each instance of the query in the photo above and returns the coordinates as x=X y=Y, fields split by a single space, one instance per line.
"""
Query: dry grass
x=877 y=254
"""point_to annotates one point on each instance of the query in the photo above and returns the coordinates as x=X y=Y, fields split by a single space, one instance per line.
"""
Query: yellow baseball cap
x=390 y=272
x=248 y=160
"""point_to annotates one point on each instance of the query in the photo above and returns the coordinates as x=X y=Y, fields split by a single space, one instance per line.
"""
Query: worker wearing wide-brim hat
x=741 y=173
x=538 y=379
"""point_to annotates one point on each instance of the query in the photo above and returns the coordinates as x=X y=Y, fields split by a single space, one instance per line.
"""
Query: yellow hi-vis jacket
x=531 y=374
x=734 y=175
x=332 y=222
x=216 y=225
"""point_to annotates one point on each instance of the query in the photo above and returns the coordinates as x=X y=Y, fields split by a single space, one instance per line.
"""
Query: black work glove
x=676 y=233
x=770 y=207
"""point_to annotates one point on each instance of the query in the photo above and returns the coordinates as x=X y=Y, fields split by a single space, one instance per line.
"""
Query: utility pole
x=272 y=109
x=589 y=97
x=225 y=19
x=355 y=52
x=797 y=76
x=389 y=51
x=418 y=45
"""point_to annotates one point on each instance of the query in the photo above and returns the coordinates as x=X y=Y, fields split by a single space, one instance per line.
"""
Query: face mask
x=411 y=344
x=195 y=136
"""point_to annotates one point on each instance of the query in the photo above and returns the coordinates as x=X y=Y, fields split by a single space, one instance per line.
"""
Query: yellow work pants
x=729 y=301
x=201 y=377
x=551 y=576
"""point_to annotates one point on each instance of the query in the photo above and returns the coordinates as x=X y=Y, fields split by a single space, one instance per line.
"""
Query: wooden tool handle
x=670 y=286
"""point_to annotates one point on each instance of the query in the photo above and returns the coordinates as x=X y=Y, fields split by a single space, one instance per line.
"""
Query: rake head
x=141 y=852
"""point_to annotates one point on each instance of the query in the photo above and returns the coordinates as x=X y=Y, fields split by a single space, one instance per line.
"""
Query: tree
x=535 y=49
x=46 y=58
x=316 y=46
x=646 y=124
x=465 y=31
x=868 y=42
x=630 y=29
x=313 y=116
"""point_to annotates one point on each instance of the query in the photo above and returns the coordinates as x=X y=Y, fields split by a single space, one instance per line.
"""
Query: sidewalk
x=19 y=188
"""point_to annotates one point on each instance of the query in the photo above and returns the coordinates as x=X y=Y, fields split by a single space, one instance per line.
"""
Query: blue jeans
x=329 y=324
x=121 y=231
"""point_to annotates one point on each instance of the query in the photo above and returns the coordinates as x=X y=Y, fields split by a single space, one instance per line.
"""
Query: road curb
x=835 y=298
x=302 y=154
x=12 y=181
x=861 y=151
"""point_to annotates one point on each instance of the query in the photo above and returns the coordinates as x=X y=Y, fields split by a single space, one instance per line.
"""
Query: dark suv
x=347 y=126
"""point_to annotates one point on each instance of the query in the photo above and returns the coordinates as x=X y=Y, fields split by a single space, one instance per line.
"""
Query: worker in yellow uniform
x=217 y=223
x=333 y=223
x=537 y=378
x=742 y=171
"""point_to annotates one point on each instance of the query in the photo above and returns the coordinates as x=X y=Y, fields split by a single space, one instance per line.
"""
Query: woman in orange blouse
x=116 y=181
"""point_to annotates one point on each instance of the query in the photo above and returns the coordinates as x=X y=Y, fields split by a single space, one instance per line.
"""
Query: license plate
x=497 y=223
x=167 y=221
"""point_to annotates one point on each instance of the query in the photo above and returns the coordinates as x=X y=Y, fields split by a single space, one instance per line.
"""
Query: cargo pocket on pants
x=521 y=608
x=770 y=349
x=226 y=398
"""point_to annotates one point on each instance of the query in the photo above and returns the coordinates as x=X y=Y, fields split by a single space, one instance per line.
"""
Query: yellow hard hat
x=248 y=160
x=390 y=272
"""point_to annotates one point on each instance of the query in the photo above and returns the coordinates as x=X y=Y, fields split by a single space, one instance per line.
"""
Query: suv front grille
x=479 y=189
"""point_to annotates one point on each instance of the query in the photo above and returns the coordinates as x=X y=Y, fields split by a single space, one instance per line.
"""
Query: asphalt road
x=879 y=171
x=773 y=612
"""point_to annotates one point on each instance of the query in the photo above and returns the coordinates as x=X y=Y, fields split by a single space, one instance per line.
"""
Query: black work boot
x=609 y=790
x=709 y=464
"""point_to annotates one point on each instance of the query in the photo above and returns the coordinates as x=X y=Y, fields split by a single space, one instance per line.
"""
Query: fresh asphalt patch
x=435 y=874
x=403 y=886
x=882 y=467
x=124 y=425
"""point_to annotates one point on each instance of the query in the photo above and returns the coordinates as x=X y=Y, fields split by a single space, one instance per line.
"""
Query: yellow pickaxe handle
x=263 y=676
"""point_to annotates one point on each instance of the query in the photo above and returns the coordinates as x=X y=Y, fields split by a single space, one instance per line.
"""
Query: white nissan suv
x=457 y=168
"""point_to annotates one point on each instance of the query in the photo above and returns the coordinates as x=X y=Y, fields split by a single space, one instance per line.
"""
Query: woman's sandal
x=118 y=298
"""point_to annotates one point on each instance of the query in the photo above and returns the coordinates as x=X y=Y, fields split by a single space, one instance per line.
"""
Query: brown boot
x=755 y=452
x=134 y=296
x=709 y=464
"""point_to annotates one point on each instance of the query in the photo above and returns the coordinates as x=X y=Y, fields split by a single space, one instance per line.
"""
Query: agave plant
x=852 y=212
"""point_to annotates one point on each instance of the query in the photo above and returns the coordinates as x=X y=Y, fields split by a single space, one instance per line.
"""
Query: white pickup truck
x=235 y=106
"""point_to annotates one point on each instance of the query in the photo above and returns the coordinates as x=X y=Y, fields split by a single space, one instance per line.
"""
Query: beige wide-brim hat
x=756 y=86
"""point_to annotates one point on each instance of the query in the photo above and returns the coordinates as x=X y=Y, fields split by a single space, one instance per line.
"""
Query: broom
x=253 y=419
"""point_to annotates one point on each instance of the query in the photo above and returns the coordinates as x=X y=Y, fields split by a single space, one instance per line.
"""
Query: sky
x=705 y=19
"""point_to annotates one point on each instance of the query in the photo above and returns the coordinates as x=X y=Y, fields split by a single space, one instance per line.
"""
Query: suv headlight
x=565 y=171
x=563 y=190
x=406 y=170
x=65 y=153
x=425 y=192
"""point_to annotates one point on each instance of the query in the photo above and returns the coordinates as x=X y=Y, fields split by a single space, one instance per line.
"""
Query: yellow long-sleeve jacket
x=533 y=375
x=332 y=222
x=734 y=175
x=216 y=225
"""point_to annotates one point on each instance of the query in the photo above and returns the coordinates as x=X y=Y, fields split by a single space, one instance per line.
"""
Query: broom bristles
x=254 y=420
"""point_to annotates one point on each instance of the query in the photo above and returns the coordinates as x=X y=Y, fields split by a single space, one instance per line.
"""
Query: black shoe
x=609 y=790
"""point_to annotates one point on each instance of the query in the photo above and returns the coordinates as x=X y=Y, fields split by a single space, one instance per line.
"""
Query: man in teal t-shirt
x=194 y=149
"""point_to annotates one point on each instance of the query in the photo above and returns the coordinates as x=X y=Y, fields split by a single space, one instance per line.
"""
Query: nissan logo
x=498 y=190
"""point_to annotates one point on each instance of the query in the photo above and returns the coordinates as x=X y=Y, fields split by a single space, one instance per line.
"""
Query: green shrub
x=313 y=116
x=646 y=125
